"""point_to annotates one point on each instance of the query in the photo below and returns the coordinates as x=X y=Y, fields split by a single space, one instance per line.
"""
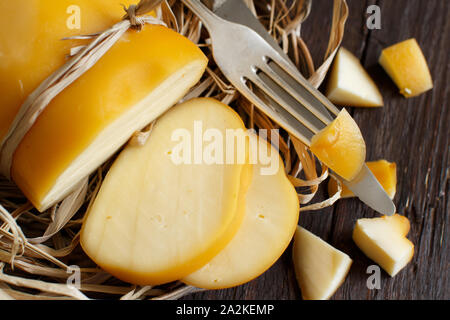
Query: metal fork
x=249 y=62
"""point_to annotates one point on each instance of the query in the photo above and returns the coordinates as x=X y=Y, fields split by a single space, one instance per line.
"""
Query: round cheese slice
x=156 y=219
x=271 y=217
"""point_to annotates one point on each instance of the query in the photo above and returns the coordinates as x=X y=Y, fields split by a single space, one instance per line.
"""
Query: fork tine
x=294 y=93
x=283 y=103
x=279 y=115
x=295 y=74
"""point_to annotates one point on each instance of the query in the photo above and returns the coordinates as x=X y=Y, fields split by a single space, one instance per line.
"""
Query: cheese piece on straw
x=271 y=216
x=157 y=219
x=139 y=78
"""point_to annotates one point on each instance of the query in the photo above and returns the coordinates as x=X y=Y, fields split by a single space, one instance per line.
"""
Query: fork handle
x=205 y=15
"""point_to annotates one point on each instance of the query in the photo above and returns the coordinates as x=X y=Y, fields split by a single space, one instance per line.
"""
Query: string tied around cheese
x=131 y=12
x=82 y=59
x=134 y=12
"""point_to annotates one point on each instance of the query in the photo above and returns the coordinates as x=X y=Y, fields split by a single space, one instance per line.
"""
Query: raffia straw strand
x=57 y=288
x=65 y=212
x=340 y=14
x=34 y=249
x=326 y=203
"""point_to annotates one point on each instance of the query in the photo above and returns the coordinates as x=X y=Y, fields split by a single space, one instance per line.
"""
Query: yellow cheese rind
x=350 y=84
x=271 y=216
x=155 y=221
x=384 y=241
x=384 y=171
x=320 y=269
x=405 y=63
x=139 y=78
x=341 y=146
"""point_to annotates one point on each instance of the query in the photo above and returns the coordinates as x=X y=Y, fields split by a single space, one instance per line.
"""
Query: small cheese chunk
x=341 y=146
x=350 y=84
x=405 y=63
x=384 y=241
x=320 y=268
x=271 y=216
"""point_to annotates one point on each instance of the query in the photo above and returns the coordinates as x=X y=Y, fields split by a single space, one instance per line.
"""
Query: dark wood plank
x=414 y=133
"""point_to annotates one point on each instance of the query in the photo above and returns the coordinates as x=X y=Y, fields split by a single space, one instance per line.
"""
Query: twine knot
x=131 y=15
x=134 y=11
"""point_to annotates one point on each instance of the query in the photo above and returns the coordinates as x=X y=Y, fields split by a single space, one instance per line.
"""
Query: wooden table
x=414 y=133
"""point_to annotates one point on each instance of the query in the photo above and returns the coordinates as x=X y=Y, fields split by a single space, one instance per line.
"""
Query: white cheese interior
x=350 y=84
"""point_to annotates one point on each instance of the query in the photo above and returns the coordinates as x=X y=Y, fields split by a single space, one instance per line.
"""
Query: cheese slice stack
x=156 y=219
x=139 y=78
x=271 y=216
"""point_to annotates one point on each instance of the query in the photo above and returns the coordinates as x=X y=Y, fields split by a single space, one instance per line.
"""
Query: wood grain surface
x=414 y=133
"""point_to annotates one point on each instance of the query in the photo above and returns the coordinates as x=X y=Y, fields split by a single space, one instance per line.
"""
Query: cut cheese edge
x=271 y=216
x=384 y=241
x=138 y=79
x=350 y=84
x=155 y=221
x=320 y=269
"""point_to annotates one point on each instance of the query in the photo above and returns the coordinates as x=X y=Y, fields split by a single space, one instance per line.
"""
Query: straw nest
x=40 y=252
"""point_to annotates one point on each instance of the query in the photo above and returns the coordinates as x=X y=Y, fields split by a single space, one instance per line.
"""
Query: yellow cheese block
x=271 y=216
x=384 y=241
x=141 y=76
x=350 y=84
x=31 y=47
x=320 y=268
x=341 y=146
x=384 y=171
x=405 y=63
x=155 y=219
